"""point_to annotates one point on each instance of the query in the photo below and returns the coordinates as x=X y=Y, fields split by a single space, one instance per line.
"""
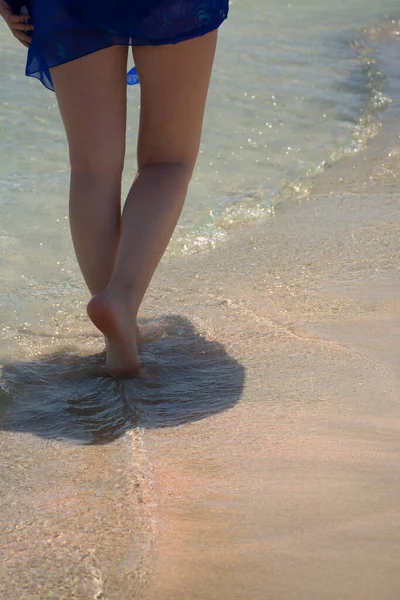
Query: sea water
x=292 y=91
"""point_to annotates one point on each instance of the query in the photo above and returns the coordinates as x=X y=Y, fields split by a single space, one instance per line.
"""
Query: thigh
x=174 y=86
x=91 y=94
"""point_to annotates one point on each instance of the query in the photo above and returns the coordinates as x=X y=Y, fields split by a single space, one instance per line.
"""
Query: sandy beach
x=262 y=460
x=293 y=493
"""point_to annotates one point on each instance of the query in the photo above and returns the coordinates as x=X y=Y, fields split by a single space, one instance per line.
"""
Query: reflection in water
x=65 y=395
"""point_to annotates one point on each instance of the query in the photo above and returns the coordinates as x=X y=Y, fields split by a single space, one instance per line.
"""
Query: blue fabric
x=68 y=29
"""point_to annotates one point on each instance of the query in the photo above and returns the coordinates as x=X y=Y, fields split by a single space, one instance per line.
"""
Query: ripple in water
x=65 y=396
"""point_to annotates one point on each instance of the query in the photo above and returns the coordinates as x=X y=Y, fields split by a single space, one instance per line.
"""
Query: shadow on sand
x=64 y=396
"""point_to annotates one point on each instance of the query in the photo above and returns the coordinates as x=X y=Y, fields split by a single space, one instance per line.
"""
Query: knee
x=181 y=162
x=97 y=162
x=178 y=172
x=183 y=169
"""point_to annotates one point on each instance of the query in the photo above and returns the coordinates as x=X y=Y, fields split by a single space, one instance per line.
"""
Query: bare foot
x=147 y=332
x=114 y=317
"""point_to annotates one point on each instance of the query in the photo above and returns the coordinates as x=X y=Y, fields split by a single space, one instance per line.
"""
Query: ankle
x=121 y=294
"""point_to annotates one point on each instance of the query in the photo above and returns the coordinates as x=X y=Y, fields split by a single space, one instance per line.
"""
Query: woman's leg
x=174 y=85
x=91 y=93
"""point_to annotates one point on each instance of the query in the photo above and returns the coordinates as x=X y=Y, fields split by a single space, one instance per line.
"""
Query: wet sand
x=270 y=467
x=293 y=493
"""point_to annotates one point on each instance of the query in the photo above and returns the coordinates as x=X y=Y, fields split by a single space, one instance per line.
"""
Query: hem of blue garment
x=43 y=75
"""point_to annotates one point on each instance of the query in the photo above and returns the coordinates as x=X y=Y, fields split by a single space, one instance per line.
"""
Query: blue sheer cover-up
x=68 y=29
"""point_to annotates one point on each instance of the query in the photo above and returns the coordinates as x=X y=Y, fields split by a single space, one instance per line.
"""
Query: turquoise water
x=292 y=90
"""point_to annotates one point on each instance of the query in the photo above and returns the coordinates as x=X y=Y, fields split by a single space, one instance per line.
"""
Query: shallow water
x=295 y=87
x=261 y=460
x=290 y=92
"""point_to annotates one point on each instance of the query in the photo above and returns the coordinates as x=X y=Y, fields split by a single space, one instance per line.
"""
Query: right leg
x=174 y=85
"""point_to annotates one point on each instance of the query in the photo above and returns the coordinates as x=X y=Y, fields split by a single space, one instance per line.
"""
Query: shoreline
x=291 y=492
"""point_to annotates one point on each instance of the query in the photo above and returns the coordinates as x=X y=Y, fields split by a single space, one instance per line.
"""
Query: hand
x=17 y=24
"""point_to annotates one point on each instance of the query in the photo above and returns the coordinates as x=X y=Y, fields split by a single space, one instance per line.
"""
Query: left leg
x=91 y=93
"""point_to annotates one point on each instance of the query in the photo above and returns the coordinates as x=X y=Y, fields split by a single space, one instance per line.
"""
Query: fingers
x=19 y=18
x=23 y=37
x=19 y=26
x=20 y=22
x=22 y=27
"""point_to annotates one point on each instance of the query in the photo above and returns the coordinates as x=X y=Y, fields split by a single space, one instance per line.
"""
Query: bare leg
x=174 y=86
x=91 y=94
